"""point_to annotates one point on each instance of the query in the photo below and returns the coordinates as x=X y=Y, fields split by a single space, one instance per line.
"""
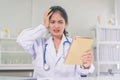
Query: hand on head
x=47 y=15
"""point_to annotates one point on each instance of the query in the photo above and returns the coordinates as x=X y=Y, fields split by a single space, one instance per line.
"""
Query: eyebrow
x=54 y=20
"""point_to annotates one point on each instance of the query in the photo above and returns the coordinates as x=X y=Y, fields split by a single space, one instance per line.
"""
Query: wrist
x=84 y=67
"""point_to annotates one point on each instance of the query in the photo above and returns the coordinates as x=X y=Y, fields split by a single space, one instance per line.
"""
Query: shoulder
x=38 y=42
x=43 y=40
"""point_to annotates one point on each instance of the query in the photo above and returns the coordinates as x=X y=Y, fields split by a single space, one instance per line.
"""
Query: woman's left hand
x=87 y=59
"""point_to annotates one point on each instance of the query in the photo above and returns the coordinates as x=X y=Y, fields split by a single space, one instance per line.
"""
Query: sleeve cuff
x=81 y=70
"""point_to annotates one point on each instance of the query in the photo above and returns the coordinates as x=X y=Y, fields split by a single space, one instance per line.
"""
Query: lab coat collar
x=49 y=39
x=60 y=53
x=50 y=47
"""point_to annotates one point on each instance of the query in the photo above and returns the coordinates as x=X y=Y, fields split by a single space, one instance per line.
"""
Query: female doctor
x=48 y=53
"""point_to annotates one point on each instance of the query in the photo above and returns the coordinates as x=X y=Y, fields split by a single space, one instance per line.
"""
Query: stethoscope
x=46 y=67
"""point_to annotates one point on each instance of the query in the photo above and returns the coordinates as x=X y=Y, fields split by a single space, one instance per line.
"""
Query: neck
x=57 y=40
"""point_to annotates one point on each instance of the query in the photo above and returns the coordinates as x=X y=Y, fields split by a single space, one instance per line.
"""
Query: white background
x=19 y=14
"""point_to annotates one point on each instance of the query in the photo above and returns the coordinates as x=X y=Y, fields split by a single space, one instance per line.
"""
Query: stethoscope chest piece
x=46 y=67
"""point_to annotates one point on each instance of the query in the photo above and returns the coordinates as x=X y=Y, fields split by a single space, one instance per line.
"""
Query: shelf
x=107 y=62
x=16 y=67
x=12 y=51
x=108 y=27
x=108 y=47
x=108 y=42
x=10 y=39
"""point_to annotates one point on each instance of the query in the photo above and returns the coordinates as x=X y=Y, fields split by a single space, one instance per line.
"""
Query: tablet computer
x=78 y=46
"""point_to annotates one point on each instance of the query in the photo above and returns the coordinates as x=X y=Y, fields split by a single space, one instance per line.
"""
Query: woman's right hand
x=47 y=14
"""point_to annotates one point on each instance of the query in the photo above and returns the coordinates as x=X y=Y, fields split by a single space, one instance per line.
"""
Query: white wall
x=15 y=15
x=82 y=13
x=19 y=14
x=117 y=11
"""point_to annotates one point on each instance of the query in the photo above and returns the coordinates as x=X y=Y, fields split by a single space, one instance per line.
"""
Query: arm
x=28 y=36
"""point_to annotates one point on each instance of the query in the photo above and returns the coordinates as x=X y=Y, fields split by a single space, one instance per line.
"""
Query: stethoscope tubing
x=46 y=67
x=44 y=54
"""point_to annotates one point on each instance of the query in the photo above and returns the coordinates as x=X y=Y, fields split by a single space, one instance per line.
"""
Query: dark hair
x=62 y=13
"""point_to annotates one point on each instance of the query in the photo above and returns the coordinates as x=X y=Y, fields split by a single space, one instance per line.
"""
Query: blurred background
x=84 y=17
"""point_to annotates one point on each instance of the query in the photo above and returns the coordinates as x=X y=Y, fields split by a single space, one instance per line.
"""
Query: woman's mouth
x=56 y=31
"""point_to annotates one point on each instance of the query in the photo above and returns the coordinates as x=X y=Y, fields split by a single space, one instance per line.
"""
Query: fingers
x=87 y=58
x=47 y=14
x=87 y=63
x=50 y=12
x=88 y=52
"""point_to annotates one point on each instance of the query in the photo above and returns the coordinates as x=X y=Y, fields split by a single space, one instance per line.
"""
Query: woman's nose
x=56 y=25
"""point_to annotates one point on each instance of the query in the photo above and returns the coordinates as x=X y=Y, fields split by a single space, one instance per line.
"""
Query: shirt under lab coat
x=33 y=40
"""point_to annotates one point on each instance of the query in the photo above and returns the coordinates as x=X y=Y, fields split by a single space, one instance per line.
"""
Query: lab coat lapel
x=50 y=48
x=60 y=51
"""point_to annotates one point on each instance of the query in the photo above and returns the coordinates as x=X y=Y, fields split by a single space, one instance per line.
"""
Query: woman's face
x=57 y=24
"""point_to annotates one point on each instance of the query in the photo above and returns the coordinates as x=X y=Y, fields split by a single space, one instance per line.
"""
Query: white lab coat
x=33 y=41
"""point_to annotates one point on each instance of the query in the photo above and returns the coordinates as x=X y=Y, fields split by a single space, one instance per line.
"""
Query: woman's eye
x=52 y=22
x=60 y=22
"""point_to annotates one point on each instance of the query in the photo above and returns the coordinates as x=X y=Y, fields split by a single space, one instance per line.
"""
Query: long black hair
x=62 y=13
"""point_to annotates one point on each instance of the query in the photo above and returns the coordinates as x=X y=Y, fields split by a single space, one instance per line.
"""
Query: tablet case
x=77 y=48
